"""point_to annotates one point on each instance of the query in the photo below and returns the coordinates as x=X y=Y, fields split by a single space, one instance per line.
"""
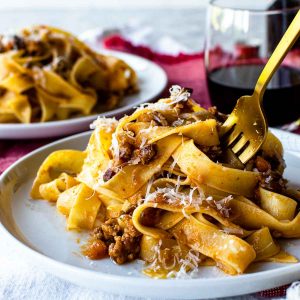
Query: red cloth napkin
x=185 y=69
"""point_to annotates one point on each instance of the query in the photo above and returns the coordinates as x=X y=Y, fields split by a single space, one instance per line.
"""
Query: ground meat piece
x=125 y=151
x=127 y=136
x=60 y=65
x=18 y=43
x=124 y=249
x=213 y=110
x=125 y=222
x=276 y=163
x=219 y=116
x=35 y=47
x=273 y=181
x=179 y=108
x=108 y=174
x=96 y=249
x=2 y=91
x=2 y=47
x=98 y=233
x=127 y=142
x=261 y=164
x=120 y=238
x=270 y=176
x=116 y=251
x=145 y=154
x=213 y=152
x=110 y=229
x=150 y=216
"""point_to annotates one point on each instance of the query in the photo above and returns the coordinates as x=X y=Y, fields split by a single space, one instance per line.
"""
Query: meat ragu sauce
x=117 y=238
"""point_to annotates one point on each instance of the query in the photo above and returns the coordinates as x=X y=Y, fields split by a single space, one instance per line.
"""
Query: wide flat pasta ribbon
x=200 y=169
x=202 y=132
x=52 y=190
x=263 y=244
x=85 y=207
x=253 y=217
x=69 y=161
x=97 y=158
x=133 y=177
x=277 y=205
x=232 y=254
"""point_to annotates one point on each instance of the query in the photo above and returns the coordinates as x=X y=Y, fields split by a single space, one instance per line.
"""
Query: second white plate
x=152 y=81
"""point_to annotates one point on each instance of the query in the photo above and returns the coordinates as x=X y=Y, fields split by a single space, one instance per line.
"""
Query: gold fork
x=246 y=128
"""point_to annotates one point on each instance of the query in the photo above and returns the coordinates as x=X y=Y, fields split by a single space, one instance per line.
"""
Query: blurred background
x=77 y=16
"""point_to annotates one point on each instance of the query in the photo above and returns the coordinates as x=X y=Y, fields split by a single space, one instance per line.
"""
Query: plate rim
x=117 y=111
x=129 y=281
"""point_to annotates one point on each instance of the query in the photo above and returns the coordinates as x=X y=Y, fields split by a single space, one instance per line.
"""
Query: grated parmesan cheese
x=143 y=142
x=172 y=166
x=115 y=149
x=178 y=94
x=158 y=106
x=109 y=124
x=173 y=196
x=148 y=130
x=188 y=266
x=268 y=179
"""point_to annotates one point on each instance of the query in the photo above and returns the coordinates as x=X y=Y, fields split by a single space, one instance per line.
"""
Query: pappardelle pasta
x=157 y=185
x=48 y=74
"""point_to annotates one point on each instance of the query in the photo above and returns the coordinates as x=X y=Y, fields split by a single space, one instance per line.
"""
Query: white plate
x=36 y=229
x=152 y=81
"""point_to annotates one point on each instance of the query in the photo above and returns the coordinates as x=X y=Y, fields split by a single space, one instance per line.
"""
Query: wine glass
x=240 y=37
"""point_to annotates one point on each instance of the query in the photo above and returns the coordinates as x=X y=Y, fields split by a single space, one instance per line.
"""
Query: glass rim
x=213 y=3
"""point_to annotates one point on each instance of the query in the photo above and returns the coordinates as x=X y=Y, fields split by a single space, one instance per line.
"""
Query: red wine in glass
x=281 y=99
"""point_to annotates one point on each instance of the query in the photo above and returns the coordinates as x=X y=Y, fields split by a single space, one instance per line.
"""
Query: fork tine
x=245 y=155
x=233 y=136
x=228 y=124
x=240 y=144
x=248 y=153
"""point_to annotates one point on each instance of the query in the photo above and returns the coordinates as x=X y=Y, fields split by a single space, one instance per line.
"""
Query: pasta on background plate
x=48 y=74
x=157 y=185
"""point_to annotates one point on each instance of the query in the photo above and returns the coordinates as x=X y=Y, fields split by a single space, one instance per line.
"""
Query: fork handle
x=285 y=44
